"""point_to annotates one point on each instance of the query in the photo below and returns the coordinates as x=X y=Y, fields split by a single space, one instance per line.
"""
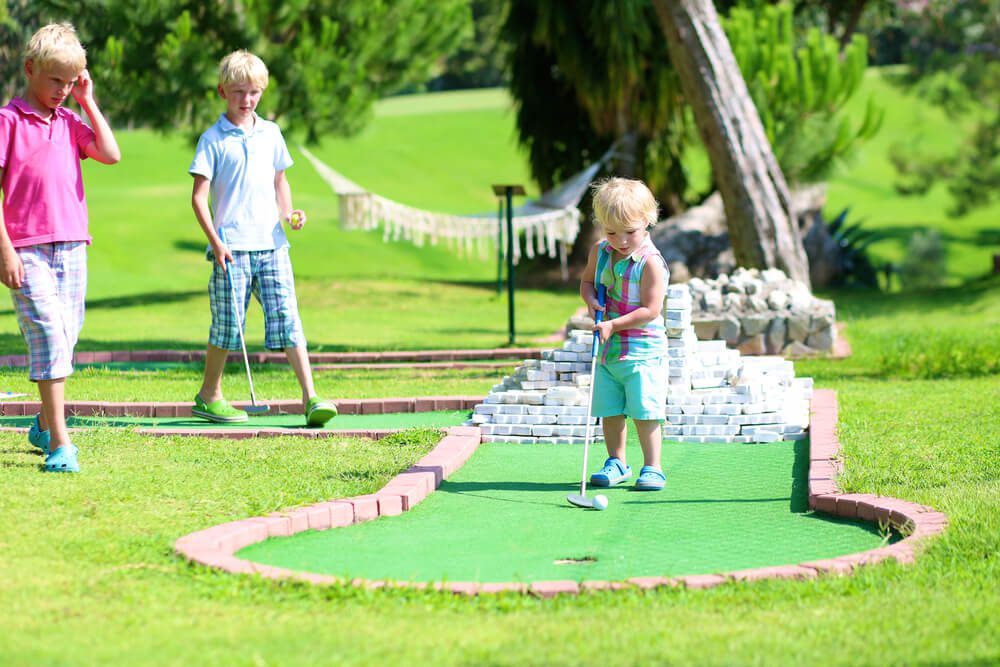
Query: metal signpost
x=508 y=191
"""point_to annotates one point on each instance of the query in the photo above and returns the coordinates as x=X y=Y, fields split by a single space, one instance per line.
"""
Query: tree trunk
x=758 y=206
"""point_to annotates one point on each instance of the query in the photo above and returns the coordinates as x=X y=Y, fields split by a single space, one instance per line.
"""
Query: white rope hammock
x=547 y=226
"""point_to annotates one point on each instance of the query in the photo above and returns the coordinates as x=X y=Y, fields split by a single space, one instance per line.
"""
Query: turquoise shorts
x=634 y=388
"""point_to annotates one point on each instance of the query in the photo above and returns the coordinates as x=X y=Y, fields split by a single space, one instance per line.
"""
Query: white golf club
x=253 y=408
x=582 y=500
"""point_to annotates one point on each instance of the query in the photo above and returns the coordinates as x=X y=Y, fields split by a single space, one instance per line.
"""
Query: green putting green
x=504 y=517
x=439 y=418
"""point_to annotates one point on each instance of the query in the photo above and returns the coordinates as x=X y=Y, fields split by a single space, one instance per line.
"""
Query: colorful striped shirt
x=622 y=280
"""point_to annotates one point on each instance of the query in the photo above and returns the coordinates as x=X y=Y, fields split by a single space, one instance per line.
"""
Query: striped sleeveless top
x=622 y=280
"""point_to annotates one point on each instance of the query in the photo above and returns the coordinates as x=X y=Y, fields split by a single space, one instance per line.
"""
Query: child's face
x=626 y=241
x=52 y=84
x=241 y=98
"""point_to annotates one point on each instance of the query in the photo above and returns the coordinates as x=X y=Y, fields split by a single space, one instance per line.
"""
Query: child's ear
x=222 y=91
x=29 y=67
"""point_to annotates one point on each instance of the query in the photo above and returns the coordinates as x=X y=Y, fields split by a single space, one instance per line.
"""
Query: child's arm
x=199 y=202
x=588 y=291
x=11 y=267
x=103 y=148
x=283 y=191
x=651 y=293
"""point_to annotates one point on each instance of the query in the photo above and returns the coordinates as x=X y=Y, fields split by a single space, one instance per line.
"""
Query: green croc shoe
x=319 y=412
x=219 y=411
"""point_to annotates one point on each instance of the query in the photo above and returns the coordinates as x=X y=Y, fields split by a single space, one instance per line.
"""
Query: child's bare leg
x=614 y=436
x=298 y=359
x=215 y=364
x=53 y=417
x=651 y=439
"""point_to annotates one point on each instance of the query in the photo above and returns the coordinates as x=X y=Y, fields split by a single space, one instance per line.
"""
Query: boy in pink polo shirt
x=44 y=237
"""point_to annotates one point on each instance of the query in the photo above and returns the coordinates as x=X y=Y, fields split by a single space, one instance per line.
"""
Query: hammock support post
x=509 y=191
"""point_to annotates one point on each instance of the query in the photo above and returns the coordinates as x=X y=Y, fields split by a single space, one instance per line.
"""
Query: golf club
x=253 y=408
x=582 y=500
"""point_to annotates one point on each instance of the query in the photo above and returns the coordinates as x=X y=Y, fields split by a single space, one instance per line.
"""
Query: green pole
x=499 y=246
x=510 y=261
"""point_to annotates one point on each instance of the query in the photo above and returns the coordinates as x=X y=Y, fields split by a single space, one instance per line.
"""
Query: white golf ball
x=600 y=502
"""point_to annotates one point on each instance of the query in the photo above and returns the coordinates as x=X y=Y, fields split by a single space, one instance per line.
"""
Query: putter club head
x=257 y=409
x=580 y=501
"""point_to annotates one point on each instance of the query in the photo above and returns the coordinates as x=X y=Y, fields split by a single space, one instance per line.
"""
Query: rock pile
x=762 y=312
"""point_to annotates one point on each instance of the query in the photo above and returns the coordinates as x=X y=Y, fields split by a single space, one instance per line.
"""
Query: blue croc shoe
x=650 y=479
x=613 y=472
x=39 y=438
x=62 y=460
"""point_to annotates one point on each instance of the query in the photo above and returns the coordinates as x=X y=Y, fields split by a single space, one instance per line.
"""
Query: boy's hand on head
x=297 y=219
x=84 y=88
x=11 y=268
x=604 y=329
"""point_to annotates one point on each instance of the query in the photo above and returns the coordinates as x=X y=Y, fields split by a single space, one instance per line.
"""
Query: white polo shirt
x=241 y=166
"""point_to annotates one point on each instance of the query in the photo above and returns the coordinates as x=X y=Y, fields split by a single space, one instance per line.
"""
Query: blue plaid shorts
x=267 y=274
x=50 y=305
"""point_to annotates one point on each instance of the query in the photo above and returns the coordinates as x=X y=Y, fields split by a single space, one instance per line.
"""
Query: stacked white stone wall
x=545 y=400
x=715 y=394
x=718 y=395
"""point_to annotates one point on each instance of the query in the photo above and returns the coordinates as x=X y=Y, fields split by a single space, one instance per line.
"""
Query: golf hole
x=575 y=561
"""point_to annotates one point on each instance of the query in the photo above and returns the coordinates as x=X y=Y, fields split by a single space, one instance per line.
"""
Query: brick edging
x=365 y=406
x=186 y=356
x=215 y=546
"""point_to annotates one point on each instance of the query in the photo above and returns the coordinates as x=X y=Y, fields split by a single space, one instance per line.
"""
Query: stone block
x=776 y=333
x=821 y=340
x=756 y=344
x=729 y=330
x=754 y=324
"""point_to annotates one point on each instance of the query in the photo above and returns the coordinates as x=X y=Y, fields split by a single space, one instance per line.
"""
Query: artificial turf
x=504 y=517
x=396 y=420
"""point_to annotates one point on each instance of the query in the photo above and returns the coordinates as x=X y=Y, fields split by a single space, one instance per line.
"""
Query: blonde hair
x=624 y=203
x=56 y=44
x=242 y=67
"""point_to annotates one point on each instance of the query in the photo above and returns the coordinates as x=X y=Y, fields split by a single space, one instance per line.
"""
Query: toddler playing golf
x=44 y=235
x=240 y=162
x=630 y=378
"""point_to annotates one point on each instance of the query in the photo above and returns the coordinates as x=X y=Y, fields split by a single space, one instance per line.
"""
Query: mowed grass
x=91 y=555
x=87 y=572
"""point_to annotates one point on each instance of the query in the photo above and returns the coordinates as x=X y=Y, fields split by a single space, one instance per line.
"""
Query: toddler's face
x=51 y=84
x=626 y=241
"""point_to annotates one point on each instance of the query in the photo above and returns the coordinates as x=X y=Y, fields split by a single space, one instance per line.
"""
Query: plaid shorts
x=267 y=274
x=50 y=305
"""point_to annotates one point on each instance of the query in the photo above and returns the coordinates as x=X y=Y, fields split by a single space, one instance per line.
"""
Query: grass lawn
x=97 y=560
x=87 y=572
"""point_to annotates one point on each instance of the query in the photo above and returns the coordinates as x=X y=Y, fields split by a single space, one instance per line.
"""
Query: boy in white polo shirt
x=44 y=235
x=241 y=161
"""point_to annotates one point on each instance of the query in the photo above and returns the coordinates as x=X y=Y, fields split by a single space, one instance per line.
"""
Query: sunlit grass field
x=87 y=572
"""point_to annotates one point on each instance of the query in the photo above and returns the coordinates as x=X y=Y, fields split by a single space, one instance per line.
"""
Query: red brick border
x=215 y=546
x=346 y=406
x=315 y=358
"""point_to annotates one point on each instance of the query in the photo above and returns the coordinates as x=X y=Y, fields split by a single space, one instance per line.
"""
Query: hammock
x=545 y=226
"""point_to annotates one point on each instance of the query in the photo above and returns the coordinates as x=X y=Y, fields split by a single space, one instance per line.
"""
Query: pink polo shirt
x=43 y=198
